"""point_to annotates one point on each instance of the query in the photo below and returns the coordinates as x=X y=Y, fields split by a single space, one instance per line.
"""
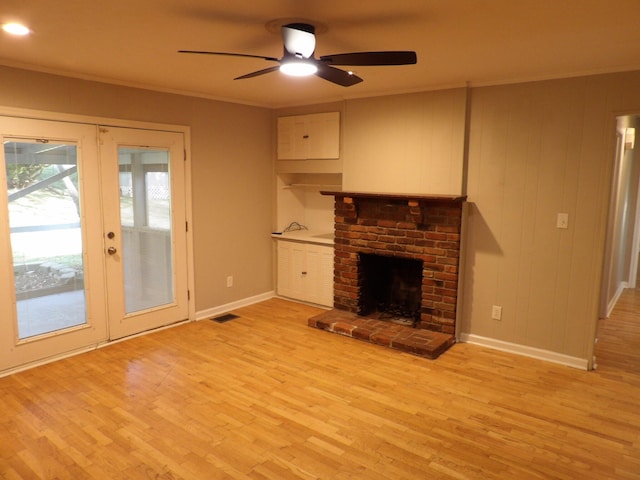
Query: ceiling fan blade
x=337 y=76
x=258 y=73
x=272 y=59
x=371 y=58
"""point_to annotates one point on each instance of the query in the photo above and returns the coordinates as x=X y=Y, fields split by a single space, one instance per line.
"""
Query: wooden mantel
x=398 y=196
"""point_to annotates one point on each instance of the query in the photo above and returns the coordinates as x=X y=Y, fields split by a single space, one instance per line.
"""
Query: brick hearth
x=417 y=341
x=422 y=227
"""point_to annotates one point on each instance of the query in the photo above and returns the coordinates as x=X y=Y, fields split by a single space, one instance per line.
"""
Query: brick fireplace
x=421 y=228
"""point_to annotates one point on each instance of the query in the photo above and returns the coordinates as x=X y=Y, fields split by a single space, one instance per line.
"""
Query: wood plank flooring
x=266 y=397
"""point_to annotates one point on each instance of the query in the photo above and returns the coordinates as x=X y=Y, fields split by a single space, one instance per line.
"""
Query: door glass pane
x=46 y=235
x=145 y=216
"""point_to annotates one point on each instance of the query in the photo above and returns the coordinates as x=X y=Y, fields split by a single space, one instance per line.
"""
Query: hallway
x=618 y=348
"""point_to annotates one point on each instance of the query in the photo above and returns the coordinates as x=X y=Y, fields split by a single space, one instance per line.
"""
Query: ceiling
x=458 y=42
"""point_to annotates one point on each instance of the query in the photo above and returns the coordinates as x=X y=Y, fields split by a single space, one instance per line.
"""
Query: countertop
x=307 y=236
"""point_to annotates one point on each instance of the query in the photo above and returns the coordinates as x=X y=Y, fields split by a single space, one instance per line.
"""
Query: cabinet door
x=318 y=282
x=286 y=138
x=292 y=144
x=291 y=264
x=301 y=137
x=323 y=135
x=284 y=269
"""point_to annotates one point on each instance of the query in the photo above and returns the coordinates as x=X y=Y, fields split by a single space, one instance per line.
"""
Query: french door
x=92 y=234
x=145 y=228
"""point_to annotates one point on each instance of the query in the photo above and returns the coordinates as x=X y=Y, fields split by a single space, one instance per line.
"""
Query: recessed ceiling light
x=15 y=29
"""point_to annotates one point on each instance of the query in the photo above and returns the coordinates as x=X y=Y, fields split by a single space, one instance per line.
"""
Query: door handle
x=112 y=250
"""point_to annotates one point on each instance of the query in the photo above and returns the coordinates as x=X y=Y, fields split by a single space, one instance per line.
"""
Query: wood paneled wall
x=537 y=150
x=411 y=143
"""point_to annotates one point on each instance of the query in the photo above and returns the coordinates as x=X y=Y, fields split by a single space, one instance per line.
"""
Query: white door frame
x=635 y=246
x=606 y=305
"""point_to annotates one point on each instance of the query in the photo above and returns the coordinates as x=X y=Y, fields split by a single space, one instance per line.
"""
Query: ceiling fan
x=299 y=46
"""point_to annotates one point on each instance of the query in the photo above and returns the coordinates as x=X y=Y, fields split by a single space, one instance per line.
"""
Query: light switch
x=563 y=220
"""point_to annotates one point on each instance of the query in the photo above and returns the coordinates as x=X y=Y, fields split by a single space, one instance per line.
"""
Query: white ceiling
x=458 y=42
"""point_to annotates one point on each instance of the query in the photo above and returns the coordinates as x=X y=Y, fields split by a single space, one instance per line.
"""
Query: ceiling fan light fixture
x=298 y=68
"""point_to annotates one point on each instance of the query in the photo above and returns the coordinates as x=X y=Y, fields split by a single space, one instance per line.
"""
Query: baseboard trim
x=532 y=352
x=245 y=302
x=616 y=296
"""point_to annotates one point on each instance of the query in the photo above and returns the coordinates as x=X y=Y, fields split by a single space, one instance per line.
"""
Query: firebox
x=390 y=288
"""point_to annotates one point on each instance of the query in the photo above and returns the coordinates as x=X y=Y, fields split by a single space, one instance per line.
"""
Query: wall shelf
x=298 y=199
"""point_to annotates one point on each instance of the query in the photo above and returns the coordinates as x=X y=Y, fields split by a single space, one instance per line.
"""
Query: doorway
x=623 y=230
x=93 y=227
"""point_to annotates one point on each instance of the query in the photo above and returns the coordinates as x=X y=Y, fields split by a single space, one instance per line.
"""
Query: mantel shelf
x=397 y=196
x=335 y=187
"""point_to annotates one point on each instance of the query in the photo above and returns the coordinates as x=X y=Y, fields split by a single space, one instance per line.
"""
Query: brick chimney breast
x=421 y=227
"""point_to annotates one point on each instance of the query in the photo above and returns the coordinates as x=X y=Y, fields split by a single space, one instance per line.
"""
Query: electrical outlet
x=496 y=312
x=562 y=220
x=229 y=281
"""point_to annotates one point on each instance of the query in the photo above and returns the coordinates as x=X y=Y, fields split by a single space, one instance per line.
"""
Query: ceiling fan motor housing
x=299 y=39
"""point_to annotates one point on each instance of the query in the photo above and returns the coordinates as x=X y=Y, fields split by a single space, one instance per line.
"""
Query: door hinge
x=185 y=155
x=188 y=295
x=186 y=226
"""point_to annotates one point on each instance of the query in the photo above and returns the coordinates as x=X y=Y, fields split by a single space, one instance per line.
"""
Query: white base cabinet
x=305 y=272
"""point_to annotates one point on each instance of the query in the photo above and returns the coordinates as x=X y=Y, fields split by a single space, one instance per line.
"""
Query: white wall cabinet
x=305 y=272
x=313 y=136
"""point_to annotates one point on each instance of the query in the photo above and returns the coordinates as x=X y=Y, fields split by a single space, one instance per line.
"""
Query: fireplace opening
x=390 y=288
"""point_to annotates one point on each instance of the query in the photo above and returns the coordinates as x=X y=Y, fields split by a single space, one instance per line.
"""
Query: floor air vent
x=224 y=318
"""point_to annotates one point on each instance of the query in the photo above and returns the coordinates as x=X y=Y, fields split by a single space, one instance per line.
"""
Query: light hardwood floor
x=266 y=397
